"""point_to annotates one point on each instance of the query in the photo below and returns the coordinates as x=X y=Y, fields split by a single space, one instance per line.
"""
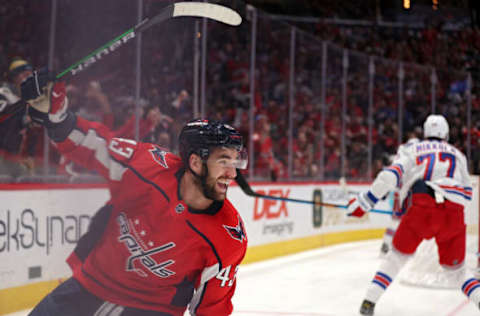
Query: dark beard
x=210 y=193
x=208 y=189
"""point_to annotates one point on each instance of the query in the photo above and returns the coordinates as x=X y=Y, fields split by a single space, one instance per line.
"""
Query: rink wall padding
x=282 y=248
x=40 y=225
x=25 y=296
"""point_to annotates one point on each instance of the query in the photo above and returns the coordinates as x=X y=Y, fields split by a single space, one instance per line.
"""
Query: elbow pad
x=60 y=131
x=385 y=182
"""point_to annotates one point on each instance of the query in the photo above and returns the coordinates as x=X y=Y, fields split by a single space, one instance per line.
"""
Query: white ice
x=332 y=281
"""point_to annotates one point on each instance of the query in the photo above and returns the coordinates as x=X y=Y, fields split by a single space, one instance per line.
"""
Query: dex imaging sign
x=265 y=208
x=273 y=213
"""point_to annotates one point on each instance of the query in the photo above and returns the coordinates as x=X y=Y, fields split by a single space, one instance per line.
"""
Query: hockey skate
x=367 y=308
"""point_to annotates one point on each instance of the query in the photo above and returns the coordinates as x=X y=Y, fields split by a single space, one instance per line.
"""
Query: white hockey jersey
x=7 y=97
x=401 y=191
x=441 y=165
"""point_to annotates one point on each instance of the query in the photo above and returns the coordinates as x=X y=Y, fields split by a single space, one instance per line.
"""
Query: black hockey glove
x=48 y=103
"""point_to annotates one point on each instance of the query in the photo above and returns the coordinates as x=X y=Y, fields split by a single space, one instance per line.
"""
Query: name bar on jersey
x=433 y=145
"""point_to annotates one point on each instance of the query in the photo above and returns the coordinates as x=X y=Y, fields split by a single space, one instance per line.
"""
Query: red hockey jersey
x=147 y=249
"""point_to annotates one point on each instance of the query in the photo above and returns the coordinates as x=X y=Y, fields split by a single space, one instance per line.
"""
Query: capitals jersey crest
x=159 y=156
x=237 y=232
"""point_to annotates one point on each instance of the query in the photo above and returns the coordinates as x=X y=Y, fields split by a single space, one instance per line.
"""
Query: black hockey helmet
x=200 y=136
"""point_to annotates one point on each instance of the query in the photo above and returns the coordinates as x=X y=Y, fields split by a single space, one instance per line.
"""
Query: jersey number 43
x=224 y=276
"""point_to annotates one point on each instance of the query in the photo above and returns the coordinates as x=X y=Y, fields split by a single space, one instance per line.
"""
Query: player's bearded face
x=219 y=174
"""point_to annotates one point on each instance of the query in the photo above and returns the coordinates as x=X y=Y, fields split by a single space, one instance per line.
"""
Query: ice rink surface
x=332 y=281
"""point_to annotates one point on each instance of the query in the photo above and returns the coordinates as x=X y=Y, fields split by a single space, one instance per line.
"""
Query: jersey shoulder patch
x=237 y=232
x=159 y=156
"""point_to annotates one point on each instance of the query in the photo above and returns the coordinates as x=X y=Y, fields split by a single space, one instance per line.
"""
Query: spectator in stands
x=228 y=80
x=302 y=156
x=19 y=137
x=265 y=162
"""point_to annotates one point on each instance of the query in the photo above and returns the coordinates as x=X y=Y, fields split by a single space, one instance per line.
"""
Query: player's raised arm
x=88 y=143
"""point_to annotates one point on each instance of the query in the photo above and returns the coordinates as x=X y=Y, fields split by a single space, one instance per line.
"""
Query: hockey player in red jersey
x=437 y=177
x=168 y=238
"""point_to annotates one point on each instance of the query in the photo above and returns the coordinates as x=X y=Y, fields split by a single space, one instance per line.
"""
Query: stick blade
x=207 y=10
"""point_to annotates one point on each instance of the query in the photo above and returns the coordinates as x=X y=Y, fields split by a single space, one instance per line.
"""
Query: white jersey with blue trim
x=441 y=165
x=401 y=188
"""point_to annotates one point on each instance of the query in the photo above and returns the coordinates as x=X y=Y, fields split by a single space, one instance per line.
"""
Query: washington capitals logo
x=159 y=156
x=237 y=232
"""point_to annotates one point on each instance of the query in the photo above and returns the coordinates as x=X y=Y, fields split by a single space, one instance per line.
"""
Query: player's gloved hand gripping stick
x=181 y=9
x=48 y=104
x=361 y=204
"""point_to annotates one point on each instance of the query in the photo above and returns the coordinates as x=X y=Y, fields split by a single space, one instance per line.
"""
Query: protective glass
x=240 y=162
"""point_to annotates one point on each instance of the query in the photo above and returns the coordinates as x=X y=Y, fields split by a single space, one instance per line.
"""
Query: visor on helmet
x=240 y=162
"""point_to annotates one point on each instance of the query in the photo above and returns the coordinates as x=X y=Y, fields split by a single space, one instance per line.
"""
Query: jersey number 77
x=430 y=158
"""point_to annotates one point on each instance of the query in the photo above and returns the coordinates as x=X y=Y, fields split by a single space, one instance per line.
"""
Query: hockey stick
x=180 y=9
x=247 y=189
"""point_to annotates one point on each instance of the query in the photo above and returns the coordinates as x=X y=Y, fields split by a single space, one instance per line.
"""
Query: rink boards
x=40 y=225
